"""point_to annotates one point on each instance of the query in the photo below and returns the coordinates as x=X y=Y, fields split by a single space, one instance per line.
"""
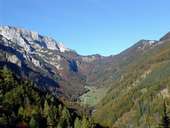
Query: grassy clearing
x=93 y=96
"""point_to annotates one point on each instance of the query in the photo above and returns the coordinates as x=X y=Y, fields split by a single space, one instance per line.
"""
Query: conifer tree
x=165 y=123
x=33 y=123
x=77 y=123
x=46 y=108
x=85 y=122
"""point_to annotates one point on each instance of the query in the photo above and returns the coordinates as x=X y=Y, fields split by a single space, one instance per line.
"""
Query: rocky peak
x=145 y=44
x=148 y=42
x=62 y=48
x=14 y=33
x=27 y=39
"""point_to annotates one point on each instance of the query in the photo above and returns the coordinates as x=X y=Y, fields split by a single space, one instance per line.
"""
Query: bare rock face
x=62 y=48
x=25 y=39
x=48 y=63
x=14 y=59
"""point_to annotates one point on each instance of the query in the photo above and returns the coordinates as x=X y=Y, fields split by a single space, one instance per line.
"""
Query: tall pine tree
x=165 y=123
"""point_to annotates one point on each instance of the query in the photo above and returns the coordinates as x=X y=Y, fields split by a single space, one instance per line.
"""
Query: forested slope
x=23 y=105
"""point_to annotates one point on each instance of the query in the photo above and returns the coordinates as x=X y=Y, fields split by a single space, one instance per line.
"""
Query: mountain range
x=126 y=90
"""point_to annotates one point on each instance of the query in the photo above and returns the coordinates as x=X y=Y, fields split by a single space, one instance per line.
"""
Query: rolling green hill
x=136 y=99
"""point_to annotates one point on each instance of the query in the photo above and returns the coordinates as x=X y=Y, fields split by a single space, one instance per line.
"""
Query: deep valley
x=43 y=81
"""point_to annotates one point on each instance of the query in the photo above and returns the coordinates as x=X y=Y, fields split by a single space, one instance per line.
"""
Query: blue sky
x=90 y=26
